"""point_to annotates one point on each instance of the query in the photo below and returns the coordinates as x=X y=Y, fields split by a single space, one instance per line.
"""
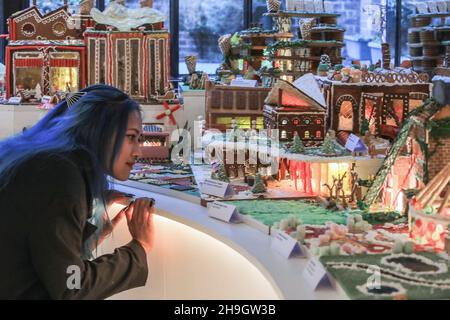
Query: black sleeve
x=55 y=242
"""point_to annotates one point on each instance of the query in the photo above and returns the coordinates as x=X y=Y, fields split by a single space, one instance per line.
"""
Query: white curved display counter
x=198 y=257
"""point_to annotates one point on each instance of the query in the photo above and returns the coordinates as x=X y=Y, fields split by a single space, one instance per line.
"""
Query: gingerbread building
x=292 y=110
x=382 y=100
x=45 y=53
x=136 y=62
x=58 y=52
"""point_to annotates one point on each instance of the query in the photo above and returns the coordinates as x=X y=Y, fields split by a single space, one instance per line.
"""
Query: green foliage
x=439 y=129
x=259 y=186
x=361 y=205
x=272 y=49
x=235 y=40
x=220 y=175
x=323 y=67
x=364 y=126
x=381 y=217
x=297 y=146
x=328 y=146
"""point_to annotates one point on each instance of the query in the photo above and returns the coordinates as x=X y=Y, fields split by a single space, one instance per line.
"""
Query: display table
x=14 y=118
x=198 y=257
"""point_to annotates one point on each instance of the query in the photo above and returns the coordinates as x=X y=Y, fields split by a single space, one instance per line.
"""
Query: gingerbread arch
x=354 y=112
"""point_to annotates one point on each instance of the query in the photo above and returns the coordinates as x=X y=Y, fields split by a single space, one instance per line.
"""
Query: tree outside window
x=201 y=25
x=46 y=6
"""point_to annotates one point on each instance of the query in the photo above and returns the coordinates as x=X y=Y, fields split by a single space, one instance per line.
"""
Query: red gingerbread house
x=45 y=53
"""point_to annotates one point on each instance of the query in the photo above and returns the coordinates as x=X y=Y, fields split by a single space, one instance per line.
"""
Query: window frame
x=9 y=7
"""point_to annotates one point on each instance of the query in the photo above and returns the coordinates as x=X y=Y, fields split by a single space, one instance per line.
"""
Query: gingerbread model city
x=351 y=160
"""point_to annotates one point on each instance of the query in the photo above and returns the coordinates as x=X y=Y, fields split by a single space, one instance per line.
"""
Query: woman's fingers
x=151 y=212
x=129 y=212
x=141 y=210
x=117 y=218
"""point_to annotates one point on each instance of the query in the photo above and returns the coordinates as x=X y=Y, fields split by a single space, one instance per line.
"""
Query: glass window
x=368 y=23
x=259 y=7
x=201 y=25
x=50 y=5
x=413 y=35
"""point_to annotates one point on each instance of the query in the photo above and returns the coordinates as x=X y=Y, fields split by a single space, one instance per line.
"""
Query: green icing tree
x=297 y=146
x=328 y=145
x=221 y=175
x=259 y=186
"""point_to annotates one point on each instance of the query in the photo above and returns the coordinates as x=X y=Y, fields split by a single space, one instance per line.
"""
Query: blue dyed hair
x=90 y=124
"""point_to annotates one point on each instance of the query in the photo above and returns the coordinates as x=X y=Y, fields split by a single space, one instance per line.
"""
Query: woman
x=53 y=179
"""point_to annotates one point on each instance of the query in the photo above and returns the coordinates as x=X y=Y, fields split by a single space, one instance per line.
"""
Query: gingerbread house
x=291 y=109
x=45 y=53
x=57 y=52
x=154 y=143
x=131 y=53
x=244 y=104
x=381 y=100
x=136 y=62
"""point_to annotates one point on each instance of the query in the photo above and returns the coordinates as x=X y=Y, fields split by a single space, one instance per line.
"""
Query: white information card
x=223 y=211
x=315 y=273
x=287 y=246
x=216 y=188
x=15 y=100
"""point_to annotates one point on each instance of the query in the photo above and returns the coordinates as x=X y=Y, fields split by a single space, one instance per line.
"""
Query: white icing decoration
x=442 y=267
x=400 y=290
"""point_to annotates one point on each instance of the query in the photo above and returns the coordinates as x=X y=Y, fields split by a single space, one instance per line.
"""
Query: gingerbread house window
x=370 y=115
x=59 y=29
x=28 y=30
x=284 y=121
x=296 y=121
x=283 y=134
x=346 y=116
x=318 y=134
x=28 y=70
x=394 y=115
x=307 y=135
x=64 y=71
x=345 y=107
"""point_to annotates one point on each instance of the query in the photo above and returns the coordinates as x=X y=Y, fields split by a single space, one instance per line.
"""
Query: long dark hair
x=96 y=123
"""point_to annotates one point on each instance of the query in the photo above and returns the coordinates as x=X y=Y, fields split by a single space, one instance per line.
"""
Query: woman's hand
x=111 y=197
x=140 y=222
x=109 y=226
x=114 y=196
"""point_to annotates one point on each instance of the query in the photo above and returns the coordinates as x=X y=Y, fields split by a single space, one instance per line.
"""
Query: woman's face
x=130 y=149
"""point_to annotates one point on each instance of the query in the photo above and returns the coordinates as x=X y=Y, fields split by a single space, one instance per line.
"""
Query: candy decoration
x=273 y=5
x=386 y=52
x=169 y=112
x=225 y=44
x=191 y=63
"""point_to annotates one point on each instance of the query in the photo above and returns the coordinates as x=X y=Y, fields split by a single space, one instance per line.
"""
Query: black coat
x=43 y=225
